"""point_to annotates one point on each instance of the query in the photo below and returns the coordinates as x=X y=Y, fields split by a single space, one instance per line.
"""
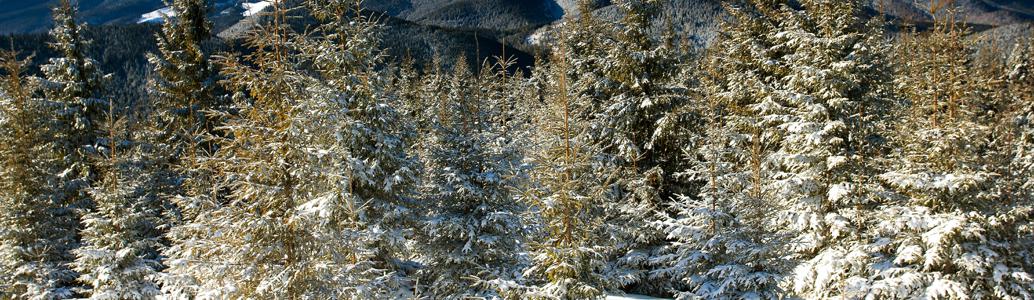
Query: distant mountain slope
x=982 y=12
x=500 y=18
x=21 y=16
x=697 y=20
x=1025 y=7
x=402 y=37
x=491 y=16
x=449 y=27
x=28 y=16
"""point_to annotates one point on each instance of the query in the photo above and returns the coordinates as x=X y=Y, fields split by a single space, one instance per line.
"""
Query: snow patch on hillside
x=156 y=16
x=539 y=37
x=251 y=9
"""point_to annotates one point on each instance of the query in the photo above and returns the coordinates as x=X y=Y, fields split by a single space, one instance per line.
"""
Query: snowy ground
x=631 y=297
x=156 y=16
x=251 y=9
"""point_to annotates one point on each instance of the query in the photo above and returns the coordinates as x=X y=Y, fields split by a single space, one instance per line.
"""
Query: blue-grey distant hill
x=503 y=17
x=449 y=27
x=29 y=16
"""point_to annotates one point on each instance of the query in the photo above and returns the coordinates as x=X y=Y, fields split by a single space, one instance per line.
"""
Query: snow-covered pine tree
x=794 y=92
x=184 y=80
x=71 y=87
x=566 y=194
x=1020 y=149
x=722 y=246
x=588 y=39
x=116 y=259
x=950 y=235
x=569 y=259
x=319 y=179
x=264 y=242
x=1020 y=82
x=34 y=236
x=433 y=85
x=473 y=231
x=833 y=90
x=639 y=81
x=1005 y=91
x=680 y=124
x=183 y=91
x=409 y=84
x=73 y=82
x=936 y=82
x=505 y=92
x=375 y=175
x=723 y=243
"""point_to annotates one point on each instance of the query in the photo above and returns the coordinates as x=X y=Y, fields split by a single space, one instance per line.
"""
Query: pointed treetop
x=191 y=16
x=66 y=32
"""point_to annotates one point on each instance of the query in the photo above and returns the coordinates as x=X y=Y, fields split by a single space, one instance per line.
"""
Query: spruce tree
x=316 y=170
x=588 y=39
x=566 y=194
x=34 y=231
x=433 y=85
x=835 y=90
x=183 y=88
x=183 y=120
x=410 y=85
x=73 y=81
x=184 y=78
x=793 y=102
x=73 y=84
x=375 y=176
x=1019 y=119
x=949 y=234
x=116 y=259
x=1020 y=165
x=724 y=245
x=639 y=74
x=71 y=87
x=256 y=245
x=473 y=231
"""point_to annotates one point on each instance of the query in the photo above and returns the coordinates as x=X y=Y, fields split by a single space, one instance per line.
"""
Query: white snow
x=839 y=191
x=631 y=297
x=157 y=15
x=835 y=161
x=538 y=37
x=251 y=9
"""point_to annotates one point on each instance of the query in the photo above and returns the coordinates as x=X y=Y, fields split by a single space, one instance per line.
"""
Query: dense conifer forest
x=808 y=152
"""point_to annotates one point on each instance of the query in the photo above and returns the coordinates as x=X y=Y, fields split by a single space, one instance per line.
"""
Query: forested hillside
x=807 y=149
